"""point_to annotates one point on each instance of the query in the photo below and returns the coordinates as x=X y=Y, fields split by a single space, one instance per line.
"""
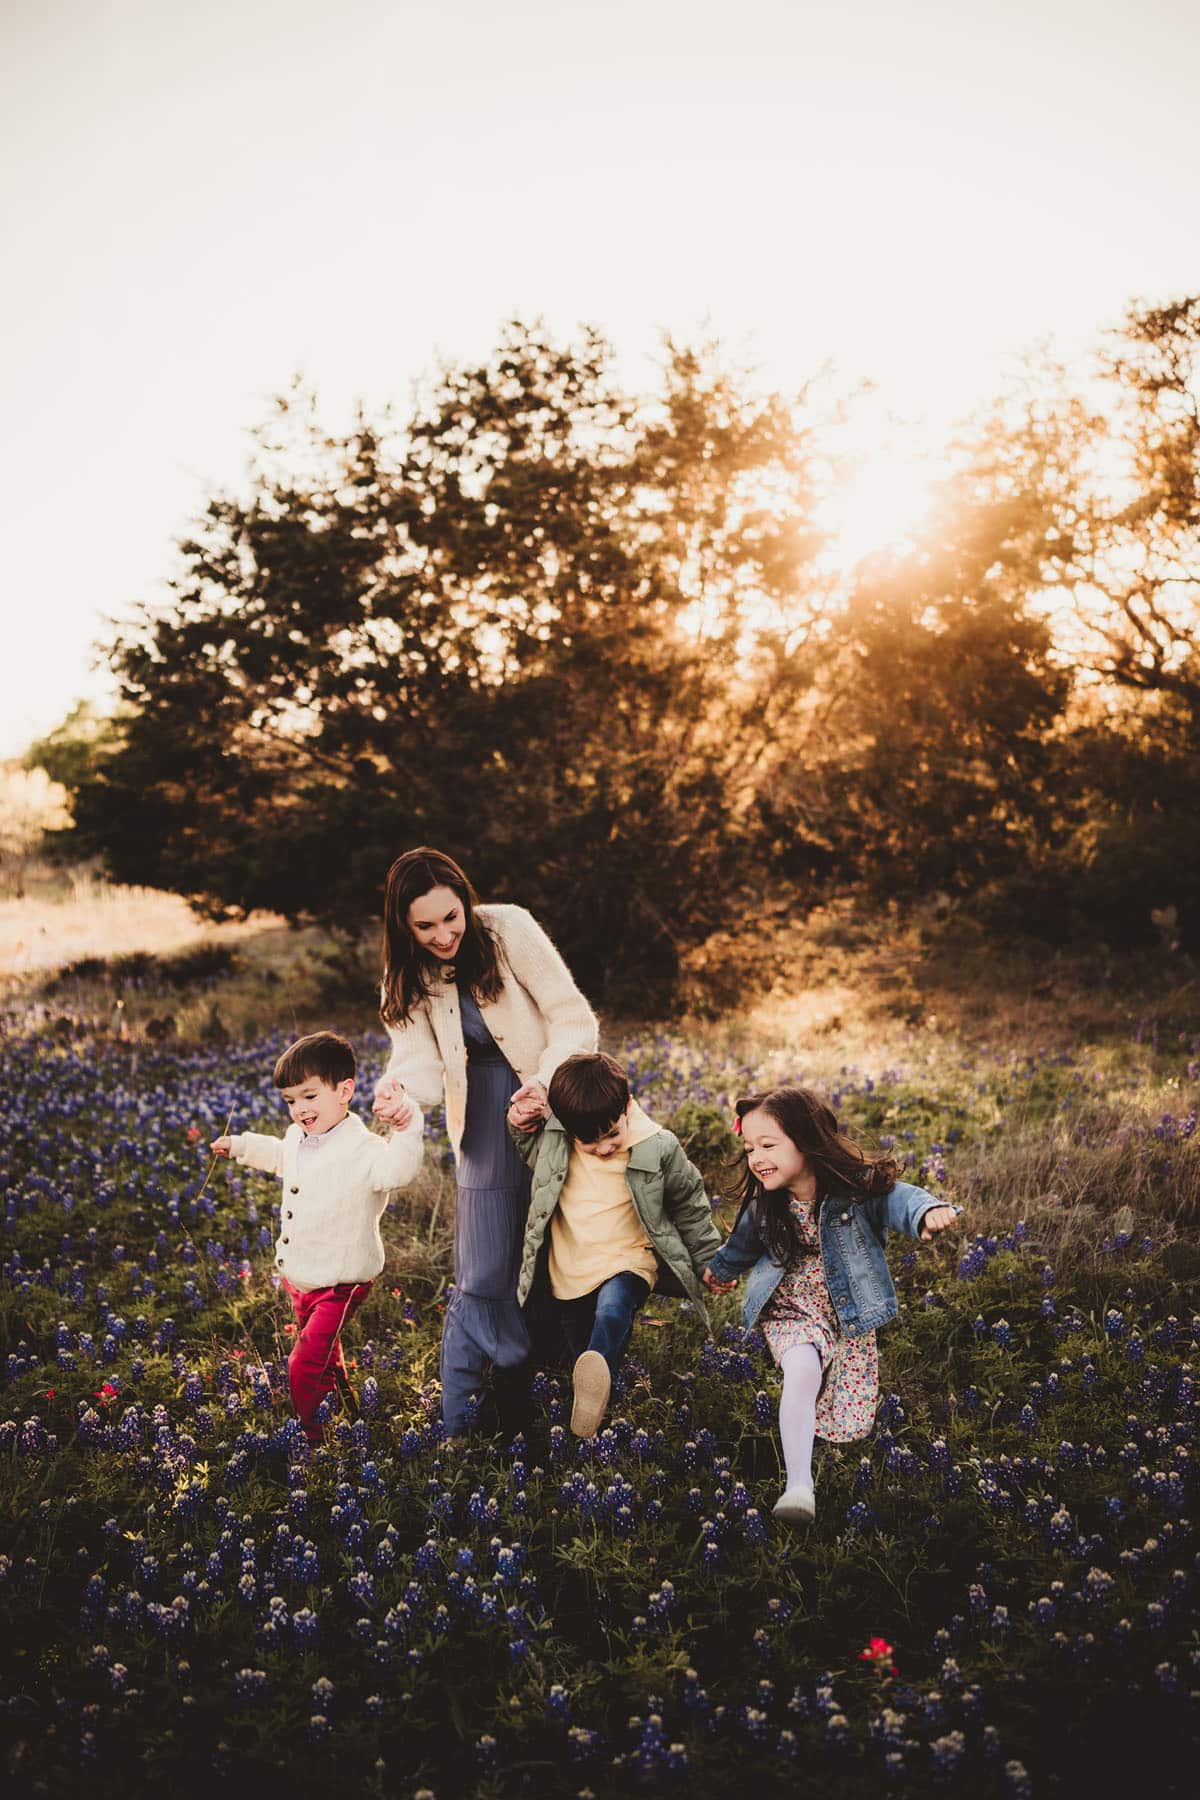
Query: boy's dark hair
x=588 y=1093
x=323 y=1055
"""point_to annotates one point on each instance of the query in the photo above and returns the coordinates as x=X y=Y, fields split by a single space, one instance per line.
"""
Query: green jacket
x=668 y=1196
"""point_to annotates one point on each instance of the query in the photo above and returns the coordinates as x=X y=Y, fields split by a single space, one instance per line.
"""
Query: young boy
x=337 y=1180
x=626 y=1212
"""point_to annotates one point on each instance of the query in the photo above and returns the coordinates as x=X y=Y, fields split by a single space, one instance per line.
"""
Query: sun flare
x=881 y=505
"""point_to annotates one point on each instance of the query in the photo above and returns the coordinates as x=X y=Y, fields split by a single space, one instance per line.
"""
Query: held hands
x=717 y=1286
x=222 y=1146
x=390 y=1103
x=527 y=1106
x=937 y=1219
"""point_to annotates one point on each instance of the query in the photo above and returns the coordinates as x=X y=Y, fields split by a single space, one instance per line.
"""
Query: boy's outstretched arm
x=686 y=1200
x=254 y=1150
x=396 y=1160
x=525 y=1133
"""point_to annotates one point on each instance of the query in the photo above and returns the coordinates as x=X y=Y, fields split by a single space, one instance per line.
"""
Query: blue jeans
x=603 y=1319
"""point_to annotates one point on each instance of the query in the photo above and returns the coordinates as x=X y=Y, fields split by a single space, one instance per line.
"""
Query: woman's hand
x=937 y=1219
x=718 y=1286
x=528 y=1105
x=222 y=1146
x=390 y=1104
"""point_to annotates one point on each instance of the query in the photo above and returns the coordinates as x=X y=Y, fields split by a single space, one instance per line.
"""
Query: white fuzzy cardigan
x=538 y=1019
x=333 y=1197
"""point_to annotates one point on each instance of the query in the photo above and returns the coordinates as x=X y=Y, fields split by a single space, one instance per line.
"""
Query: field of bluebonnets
x=998 y=1597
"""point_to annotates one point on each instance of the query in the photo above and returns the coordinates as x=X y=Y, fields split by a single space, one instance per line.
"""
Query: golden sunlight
x=880 y=505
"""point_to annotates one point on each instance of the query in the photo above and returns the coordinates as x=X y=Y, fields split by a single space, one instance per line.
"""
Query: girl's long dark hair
x=406 y=967
x=843 y=1170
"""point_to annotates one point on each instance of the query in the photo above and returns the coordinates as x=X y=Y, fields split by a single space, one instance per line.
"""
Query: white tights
x=801 y=1367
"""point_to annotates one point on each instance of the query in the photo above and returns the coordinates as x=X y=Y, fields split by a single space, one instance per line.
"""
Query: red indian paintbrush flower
x=878 y=1651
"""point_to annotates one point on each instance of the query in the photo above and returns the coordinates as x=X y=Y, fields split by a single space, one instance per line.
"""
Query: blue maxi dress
x=483 y=1323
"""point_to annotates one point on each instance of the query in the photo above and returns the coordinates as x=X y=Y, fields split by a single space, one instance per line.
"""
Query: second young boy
x=625 y=1210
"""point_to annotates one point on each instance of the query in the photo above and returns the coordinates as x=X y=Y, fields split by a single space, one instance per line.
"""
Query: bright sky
x=199 y=200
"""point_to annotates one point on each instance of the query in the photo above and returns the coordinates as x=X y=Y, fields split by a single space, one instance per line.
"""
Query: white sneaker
x=593 y=1383
x=795 y=1506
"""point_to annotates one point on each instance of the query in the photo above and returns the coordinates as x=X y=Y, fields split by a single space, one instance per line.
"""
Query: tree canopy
x=587 y=641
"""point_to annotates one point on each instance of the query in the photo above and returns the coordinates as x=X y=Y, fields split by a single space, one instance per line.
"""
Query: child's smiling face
x=773 y=1157
x=315 y=1105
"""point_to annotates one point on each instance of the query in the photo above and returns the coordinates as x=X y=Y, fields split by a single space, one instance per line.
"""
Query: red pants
x=317 y=1351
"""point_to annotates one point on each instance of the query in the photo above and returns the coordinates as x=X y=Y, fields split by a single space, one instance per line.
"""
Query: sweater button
x=287 y=1215
x=294 y=1190
x=284 y=1241
x=279 y=1261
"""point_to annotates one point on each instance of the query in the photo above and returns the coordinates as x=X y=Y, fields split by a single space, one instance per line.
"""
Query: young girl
x=814 y=1216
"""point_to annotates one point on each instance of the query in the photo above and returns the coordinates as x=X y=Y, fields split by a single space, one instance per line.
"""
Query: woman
x=477 y=1002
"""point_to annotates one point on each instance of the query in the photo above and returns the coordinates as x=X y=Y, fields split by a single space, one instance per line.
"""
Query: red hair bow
x=737 y=1124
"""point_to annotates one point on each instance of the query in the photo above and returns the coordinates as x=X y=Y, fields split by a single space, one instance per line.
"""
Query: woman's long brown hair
x=406 y=967
x=843 y=1170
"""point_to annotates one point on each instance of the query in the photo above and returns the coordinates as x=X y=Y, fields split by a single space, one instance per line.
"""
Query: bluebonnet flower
x=558 y=1704
x=250 y=1684
x=583 y=1744
x=837 y=1731
x=948 y=1752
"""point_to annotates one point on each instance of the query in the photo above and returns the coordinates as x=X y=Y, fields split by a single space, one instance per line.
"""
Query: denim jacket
x=852 y=1235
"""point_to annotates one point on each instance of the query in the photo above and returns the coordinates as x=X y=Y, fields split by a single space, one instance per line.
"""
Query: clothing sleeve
x=740 y=1251
x=534 y=962
x=904 y=1207
x=687 y=1204
x=396 y=1159
x=528 y=1142
x=258 y=1150
x=416 y=1059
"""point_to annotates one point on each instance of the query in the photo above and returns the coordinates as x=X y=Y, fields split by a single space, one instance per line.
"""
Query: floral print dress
x=800 y=1311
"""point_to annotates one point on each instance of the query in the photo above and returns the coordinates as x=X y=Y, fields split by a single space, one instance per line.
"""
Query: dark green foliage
x=583 y=641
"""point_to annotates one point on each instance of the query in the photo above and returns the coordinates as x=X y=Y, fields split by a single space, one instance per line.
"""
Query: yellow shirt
x=595 y=1231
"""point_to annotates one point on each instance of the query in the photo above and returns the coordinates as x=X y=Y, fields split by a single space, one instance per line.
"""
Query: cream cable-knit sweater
x=334 y=1197
x=539 y=1018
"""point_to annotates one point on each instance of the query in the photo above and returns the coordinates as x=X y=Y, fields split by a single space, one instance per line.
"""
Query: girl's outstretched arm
x=906 y=1208
x=740 y=1251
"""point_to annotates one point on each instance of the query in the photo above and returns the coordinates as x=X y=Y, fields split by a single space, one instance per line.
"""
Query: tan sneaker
x=593 y=1384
